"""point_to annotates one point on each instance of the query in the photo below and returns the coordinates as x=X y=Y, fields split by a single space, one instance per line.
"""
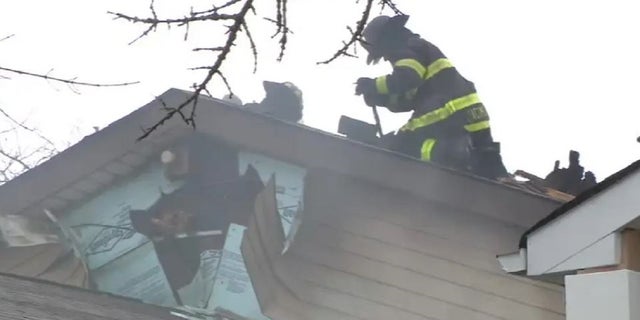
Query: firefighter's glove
x=366 y=86
x=372 y=99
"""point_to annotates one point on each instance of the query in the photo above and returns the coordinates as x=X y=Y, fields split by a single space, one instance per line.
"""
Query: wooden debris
x=537 y=185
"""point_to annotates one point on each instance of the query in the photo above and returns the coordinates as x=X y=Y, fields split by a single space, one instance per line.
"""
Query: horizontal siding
x=412 y=239
x=416 y=241
x=431 y=297
x=284 y=295
x=368 y=253
x=479 y=236
x=277 y=292
x=482 y=281
x=345 y=301
x=421 y=275
x=476 y=231
x=410 y=256
x=471 y=228
x=373 y=298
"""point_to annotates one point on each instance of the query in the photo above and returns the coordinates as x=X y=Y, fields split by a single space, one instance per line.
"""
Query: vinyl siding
x=373 y=254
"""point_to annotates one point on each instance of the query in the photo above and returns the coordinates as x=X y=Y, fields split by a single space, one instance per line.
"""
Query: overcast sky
x=554 y=75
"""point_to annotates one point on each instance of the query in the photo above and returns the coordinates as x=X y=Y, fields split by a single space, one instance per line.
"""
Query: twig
x=15 y=159
x=177 y=21
x=208 y=49
x=282 y=26
x=216 y=8
x=240 y=24
x=254 y=49
x=391 y=5
x=68 y=81
x=355 y=35
x=194 y=16
x=21 y=125
x=239 y=20
x=7 y=37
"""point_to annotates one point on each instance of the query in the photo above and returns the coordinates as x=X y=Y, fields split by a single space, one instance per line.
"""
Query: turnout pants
x=471 y=152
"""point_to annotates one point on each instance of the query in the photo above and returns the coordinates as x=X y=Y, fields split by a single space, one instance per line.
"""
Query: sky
x=554 y=75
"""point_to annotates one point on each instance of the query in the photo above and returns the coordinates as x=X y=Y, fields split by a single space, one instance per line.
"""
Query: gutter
x=515 y=262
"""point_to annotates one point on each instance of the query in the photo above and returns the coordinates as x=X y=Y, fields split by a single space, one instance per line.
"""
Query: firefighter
x=449 y=124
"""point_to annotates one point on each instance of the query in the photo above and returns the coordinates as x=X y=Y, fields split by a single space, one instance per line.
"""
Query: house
x=273 y=220
x=592 y=242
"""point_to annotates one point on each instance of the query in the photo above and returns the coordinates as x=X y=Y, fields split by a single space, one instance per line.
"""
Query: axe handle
x=377 y=118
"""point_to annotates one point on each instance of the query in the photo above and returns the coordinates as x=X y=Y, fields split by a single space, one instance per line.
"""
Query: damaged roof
x=486 y=215
x=113 y=152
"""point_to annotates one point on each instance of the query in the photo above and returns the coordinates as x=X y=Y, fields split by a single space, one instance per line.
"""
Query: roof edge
x=112 y=142
x=580 y=199
x=295 y=143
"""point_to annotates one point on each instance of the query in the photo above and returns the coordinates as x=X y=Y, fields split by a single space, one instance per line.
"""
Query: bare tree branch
x=21 y=125
x=15 y=159
x=155 y=21
x=254 y=49
x=16 y=156
x=282 y=27
x=7 y=37
x=194 y=16
x=355 y=35
x=228 y=4
x=213 y=70
x=390 y=4
x=67 y=81
x=215 y=14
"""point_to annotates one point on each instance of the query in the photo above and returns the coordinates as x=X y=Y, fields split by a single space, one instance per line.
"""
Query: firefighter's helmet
x=378 y=33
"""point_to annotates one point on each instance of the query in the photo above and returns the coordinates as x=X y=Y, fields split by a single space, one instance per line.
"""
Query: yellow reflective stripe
x=464 y=102
x=443 y=113
x=413 y=64
x=381 y=85
x=427 y=147
x=425 y=73
x=437 y=66
x=477 y=126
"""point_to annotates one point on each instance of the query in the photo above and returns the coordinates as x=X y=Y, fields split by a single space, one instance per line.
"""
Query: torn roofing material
x=581 y=198
x=279 y=295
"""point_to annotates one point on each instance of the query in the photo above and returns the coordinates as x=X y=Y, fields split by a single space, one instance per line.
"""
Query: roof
x=113 y=152
x=22 y=298
x=580 y=199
